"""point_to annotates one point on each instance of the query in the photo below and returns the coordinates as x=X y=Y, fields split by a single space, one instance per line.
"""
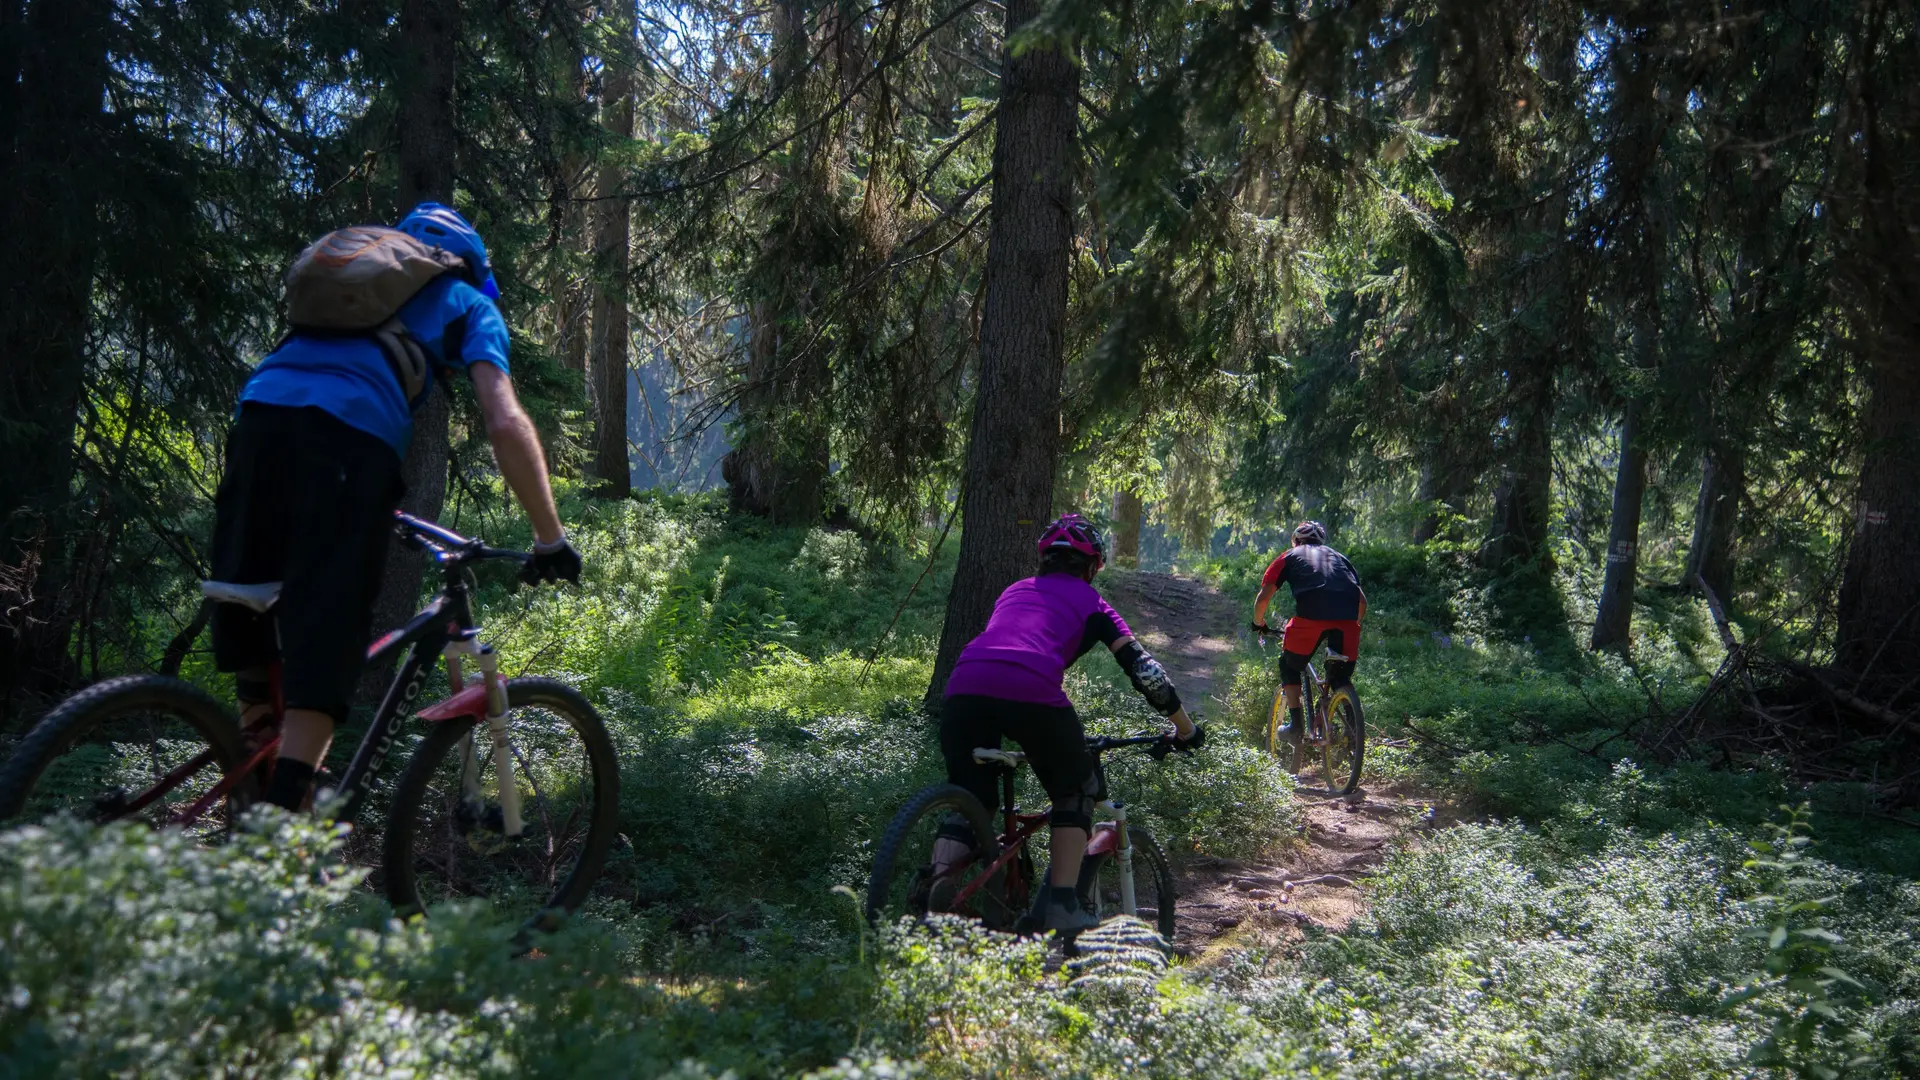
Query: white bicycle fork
x=1123 y=854
x=470 y=792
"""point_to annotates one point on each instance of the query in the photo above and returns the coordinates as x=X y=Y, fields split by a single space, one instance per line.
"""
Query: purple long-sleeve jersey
x=1040 y=626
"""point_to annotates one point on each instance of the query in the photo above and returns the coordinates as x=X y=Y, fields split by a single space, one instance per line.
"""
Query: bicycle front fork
x=470 y=792
x=1123 y=857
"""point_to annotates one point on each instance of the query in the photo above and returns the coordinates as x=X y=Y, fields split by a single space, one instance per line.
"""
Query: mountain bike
x=1335 y=738
x=512 y=792
x=1124 y=871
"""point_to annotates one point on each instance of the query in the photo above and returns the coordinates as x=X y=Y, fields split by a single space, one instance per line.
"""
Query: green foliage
x=1625 y=929
x=1815 y=1030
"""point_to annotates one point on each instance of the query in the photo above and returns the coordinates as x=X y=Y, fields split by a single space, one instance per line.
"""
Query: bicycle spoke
x=552 y=773
x=144 y=764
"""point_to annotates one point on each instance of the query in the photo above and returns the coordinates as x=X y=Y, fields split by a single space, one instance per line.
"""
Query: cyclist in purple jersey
x=1006 y=684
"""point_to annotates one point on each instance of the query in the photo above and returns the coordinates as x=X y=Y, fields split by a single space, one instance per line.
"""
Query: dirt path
x=1321 y=881
x=1188 y=624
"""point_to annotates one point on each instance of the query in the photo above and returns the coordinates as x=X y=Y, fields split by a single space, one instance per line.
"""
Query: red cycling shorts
x=1303 y=636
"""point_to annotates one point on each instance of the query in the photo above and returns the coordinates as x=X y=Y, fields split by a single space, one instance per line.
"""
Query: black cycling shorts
x=1054 y=741
x=306 y=500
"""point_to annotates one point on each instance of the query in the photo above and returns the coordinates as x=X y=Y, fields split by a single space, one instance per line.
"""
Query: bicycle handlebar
x=1100 y=744
x=448 y=546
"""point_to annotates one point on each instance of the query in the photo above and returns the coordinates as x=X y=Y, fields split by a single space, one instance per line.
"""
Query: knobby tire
x=929 y=805
x=1151 y=871
x=89 y=712
x=1344 y=712
x=416 y=800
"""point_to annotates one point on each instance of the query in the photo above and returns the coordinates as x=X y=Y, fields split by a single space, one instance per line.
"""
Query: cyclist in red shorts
x=1328 y=605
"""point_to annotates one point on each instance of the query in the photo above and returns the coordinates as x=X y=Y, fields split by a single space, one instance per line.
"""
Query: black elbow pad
x=1149 y=678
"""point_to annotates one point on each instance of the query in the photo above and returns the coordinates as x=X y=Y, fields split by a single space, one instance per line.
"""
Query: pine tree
x=1014 y=442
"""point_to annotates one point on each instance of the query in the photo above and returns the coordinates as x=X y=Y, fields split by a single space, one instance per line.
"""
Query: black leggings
x=1051 y=735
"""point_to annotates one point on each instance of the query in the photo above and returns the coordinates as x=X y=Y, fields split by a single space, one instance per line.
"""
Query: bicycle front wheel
x=447 y=838
x=1346 y=740
x=143 y=748
x=1153 y=894
x=1278 y=744
x=920 y=869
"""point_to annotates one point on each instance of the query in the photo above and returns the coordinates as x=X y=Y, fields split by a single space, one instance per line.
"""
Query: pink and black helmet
x=1071 y=531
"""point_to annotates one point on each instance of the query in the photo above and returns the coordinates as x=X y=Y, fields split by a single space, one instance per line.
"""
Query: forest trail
x=1227 y=903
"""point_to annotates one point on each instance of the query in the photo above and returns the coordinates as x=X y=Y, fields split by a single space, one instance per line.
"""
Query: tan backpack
x=352 y=282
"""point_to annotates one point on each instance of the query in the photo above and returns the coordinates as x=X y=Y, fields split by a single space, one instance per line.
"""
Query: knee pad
x=1075 y=812
x=1292 y=667
x=1340 y=672
x=956 y=828
x=252 y=688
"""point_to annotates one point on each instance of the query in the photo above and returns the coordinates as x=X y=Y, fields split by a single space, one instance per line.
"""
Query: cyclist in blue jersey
x=312 y=479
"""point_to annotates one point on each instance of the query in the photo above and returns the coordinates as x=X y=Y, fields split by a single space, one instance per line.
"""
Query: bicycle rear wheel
x=141 y=748
x=444 y=842
x=1345 y=747
x=904 y=884
x=1305 y=754
x=1153 y=892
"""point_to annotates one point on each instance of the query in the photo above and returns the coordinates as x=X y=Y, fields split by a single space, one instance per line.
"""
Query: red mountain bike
x=512 y=792
x=1124 y=872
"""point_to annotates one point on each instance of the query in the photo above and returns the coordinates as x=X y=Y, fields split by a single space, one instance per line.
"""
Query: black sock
x=1066 y=896
x=291 y=779
x=1293 y=715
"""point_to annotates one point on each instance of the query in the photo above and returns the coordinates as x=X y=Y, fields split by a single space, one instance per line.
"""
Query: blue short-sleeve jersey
x=349 y=377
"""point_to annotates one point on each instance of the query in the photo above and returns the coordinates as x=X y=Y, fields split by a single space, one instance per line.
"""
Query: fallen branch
x=1326 y=879
x=1434 y=739
x=932 y=557
x=1859 y=704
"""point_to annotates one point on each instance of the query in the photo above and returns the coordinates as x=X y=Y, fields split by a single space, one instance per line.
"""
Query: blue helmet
x=443 y=227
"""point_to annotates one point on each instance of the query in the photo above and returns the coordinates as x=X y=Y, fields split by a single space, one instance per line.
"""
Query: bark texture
x=1880 y=594
x=607 y=379
x=54 y=75
x=1523 y=503
x=1613 y=624
x=779 y=463
x=429 y=145
x=1716 y=516
x=1015 y=436
x=1128 y=511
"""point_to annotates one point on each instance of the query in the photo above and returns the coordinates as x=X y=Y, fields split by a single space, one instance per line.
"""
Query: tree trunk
x=779 y=463
x=429 y=144
x=778 y=466
x=1445 y=486
x=607 y=380
x=1723 y=481
x=1128 y=511
x=1613 y=625
x=1015 y=436
x=1523 y=503
x=55 y=71
x=571 y=298
x=1879 y=615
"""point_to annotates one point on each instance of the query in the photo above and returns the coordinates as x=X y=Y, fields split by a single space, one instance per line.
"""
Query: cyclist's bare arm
x=1182 y=724
x=1266 y=597
x=516 y=448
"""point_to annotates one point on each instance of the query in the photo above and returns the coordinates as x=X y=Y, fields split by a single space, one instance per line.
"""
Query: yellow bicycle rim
x=1273 y=720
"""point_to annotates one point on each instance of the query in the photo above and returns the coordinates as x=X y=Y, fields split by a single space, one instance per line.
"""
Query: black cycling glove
x=556 y=563
x=1262 y=628
x=1173 y=744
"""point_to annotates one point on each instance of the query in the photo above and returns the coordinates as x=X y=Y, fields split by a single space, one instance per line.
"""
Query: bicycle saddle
x=258 y=598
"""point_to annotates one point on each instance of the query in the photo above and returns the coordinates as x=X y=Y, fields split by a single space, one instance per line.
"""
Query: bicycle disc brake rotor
x=482 y=826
